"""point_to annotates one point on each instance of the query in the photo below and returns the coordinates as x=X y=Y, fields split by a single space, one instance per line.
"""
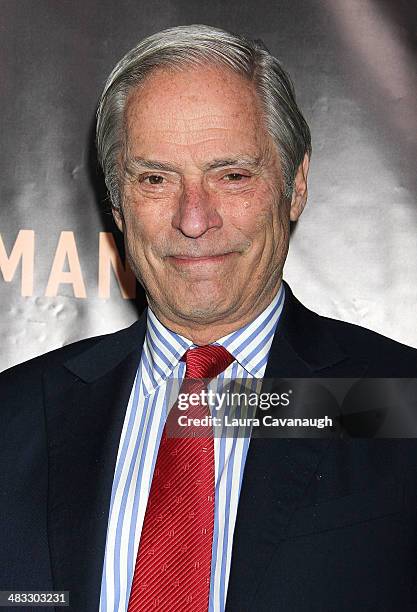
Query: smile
x=186 y=260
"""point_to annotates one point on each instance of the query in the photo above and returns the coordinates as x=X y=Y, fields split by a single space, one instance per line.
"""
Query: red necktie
x=172 y=571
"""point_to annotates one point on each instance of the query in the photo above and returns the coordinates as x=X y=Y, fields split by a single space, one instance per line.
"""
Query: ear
x=299 y=194
x=118 y=218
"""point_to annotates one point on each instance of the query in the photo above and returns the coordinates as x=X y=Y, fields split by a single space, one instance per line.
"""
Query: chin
x=204 y=311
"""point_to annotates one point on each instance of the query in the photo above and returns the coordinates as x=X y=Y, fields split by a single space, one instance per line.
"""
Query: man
x=205 y=155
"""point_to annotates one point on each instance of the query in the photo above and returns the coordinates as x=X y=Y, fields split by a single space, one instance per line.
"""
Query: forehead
x=195 y=107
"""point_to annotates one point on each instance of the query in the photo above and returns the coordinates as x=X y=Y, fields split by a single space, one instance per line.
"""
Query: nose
x=196 y=212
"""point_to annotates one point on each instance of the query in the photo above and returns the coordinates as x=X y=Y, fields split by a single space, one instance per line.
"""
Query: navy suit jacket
x=322 y=525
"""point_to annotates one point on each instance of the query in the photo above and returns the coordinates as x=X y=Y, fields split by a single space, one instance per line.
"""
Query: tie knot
x=206 y=361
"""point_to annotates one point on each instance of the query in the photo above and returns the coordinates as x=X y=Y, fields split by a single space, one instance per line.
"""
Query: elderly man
x=205 y=155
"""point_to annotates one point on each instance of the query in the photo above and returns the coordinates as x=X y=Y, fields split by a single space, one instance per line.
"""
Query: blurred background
x=353 y=254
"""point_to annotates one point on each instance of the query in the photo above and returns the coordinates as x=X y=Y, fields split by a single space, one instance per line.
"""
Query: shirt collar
x=162 y=350
x=249 y=345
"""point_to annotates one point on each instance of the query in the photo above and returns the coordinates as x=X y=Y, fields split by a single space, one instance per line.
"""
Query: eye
x=154 y=179
x=234 y=176
x=151 y=179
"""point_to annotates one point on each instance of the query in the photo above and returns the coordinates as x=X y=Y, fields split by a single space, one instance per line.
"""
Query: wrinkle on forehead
x=180 y=130
x=172 y=122
x=183 y=137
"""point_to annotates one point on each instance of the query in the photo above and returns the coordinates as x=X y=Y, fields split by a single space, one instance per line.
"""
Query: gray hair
x=197 y=45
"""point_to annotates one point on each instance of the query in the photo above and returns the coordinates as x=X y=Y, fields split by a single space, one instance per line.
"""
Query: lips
x=201 y=259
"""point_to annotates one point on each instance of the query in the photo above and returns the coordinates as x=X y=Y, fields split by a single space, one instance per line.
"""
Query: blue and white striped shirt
x=144 y=421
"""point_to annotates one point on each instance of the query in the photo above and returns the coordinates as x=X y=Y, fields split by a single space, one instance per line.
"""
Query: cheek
x=144 y=226
x=255 y=216
x=134 y=233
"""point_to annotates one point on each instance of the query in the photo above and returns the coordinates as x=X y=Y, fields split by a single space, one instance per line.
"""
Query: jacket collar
x=108 y=352
x=302 y=345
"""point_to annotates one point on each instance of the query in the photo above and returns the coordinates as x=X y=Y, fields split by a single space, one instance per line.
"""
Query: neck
x=201 y=334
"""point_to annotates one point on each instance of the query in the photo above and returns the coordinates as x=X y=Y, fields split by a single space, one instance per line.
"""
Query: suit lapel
x=277 y=471
x=85 y=401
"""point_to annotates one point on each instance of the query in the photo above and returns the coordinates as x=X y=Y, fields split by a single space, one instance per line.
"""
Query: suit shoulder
x=21 y=386
x=34 y=368
x=381 y=352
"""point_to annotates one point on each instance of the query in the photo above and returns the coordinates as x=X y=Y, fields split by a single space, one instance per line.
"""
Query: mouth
x=188 y=260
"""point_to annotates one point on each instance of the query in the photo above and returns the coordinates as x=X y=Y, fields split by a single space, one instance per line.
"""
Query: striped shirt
x=160 y=370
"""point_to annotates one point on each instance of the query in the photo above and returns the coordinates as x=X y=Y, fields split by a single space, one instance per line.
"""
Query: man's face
x=206 y=227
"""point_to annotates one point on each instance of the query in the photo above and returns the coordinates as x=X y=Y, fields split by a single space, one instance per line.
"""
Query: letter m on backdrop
x=23 y=251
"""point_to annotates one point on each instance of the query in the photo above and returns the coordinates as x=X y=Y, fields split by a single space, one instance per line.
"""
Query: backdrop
x=353 y=254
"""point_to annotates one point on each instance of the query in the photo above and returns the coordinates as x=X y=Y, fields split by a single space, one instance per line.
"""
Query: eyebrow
x=249 y=162
x=254 y=163
x=150 y=164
